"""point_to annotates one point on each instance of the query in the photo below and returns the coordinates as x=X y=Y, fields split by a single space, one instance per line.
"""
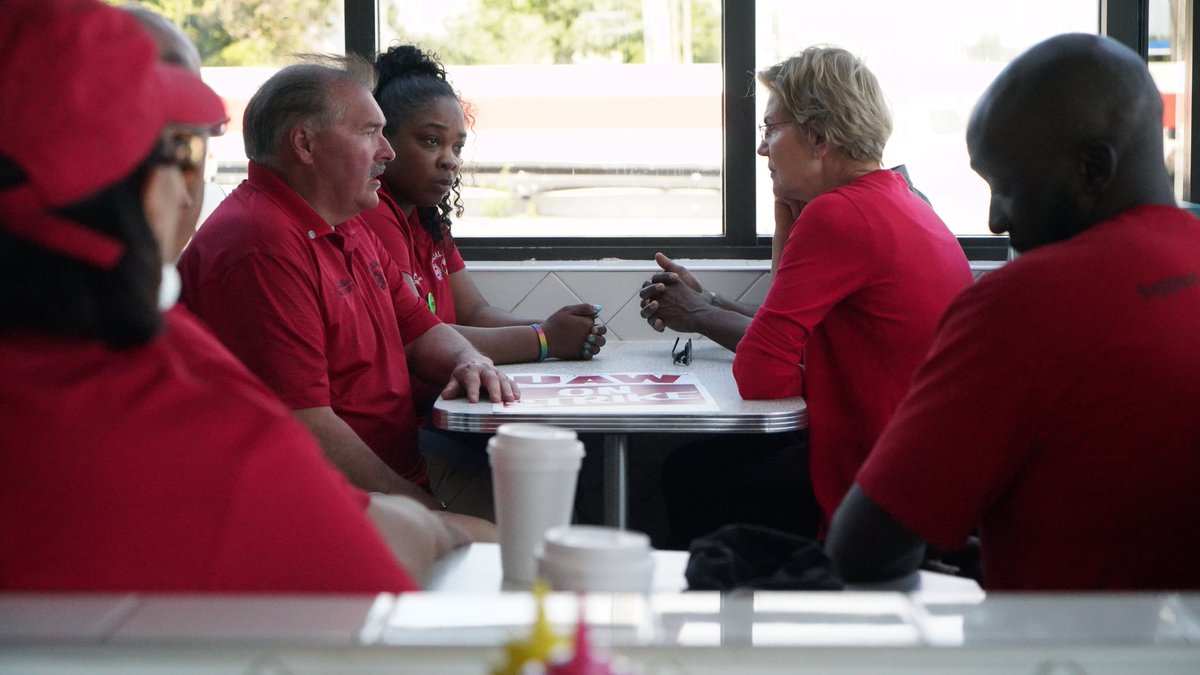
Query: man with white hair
x=298 y=288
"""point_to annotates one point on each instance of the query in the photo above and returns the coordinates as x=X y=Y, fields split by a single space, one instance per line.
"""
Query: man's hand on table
x=480 y=374
x=476 y=529
x=417 y=536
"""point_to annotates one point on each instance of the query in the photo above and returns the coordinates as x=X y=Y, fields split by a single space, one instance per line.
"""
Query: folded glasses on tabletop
x=682 y=357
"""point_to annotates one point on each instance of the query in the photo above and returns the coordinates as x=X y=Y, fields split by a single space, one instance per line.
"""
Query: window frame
x=1124 y=20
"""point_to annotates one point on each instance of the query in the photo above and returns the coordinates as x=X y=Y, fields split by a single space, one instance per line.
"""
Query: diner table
x=710 y=363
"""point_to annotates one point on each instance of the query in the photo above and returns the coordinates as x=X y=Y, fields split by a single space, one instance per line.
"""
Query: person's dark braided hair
x=408 y=78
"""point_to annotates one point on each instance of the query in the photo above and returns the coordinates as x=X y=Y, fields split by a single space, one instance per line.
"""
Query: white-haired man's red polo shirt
x=320 y=313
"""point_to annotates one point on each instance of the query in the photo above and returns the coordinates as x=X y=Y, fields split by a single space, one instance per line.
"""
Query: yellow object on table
x=541 y=645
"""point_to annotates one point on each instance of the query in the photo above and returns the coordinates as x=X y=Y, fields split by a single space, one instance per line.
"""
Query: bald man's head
x=173 y=45
x=1069 y=135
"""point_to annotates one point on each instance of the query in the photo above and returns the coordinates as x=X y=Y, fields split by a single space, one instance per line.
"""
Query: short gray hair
x=304 y=93
x=830 y=91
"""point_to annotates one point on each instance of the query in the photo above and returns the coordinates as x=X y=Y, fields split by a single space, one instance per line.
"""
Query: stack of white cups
x=535 y=469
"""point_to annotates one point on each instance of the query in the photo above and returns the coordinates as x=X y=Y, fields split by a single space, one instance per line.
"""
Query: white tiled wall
x=537 y=288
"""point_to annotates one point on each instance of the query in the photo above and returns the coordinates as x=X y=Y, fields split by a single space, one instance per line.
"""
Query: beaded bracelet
x=543 y=346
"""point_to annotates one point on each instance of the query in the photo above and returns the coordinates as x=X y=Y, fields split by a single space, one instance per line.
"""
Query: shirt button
x=312 y=234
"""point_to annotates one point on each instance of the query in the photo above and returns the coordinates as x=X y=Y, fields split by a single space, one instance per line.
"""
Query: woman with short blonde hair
x=830 y=92
x=862 y=269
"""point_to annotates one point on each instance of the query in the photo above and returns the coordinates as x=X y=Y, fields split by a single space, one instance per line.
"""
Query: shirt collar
x=386 y=197
x=303 y=216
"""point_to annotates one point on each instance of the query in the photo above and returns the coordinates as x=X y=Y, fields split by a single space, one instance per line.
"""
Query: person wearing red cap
x=140 y=455
x=292 y=281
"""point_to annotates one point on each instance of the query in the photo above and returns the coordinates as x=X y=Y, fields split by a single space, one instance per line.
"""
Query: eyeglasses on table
x=682 y=357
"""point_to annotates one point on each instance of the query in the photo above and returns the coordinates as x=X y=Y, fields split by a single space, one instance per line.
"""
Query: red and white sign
x=607 y=393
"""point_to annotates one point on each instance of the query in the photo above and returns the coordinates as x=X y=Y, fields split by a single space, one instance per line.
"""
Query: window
x=1168 y=35
x=933 y=60
x=241 y=44
x=656 y=167
x=592 y=118
x=614 y=128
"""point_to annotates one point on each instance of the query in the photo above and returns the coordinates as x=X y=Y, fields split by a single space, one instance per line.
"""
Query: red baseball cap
x=84 y=99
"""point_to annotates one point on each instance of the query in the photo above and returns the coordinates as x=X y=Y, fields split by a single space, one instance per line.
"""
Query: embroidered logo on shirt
x=377 y=275
x=345 y=287
x=439 y=265
x=1165 y=288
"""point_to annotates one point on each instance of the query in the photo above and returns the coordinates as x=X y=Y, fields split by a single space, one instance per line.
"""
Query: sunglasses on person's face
x=682 y=357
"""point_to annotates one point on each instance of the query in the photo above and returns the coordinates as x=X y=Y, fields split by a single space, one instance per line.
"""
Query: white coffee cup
x=595 y=559
x=534 y=471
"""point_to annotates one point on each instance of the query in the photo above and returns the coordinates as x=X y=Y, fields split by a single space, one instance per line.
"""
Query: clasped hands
x=575 y=332
x=673 y=298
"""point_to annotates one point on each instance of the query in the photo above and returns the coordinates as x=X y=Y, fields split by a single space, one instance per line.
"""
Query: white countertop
x=699 y=633
x=476 y=569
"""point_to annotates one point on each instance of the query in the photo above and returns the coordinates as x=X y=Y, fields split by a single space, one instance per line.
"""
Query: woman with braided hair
x=427 y=127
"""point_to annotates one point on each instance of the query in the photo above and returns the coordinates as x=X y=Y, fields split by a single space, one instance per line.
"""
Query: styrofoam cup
x=535 y=468
x=595 y=559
